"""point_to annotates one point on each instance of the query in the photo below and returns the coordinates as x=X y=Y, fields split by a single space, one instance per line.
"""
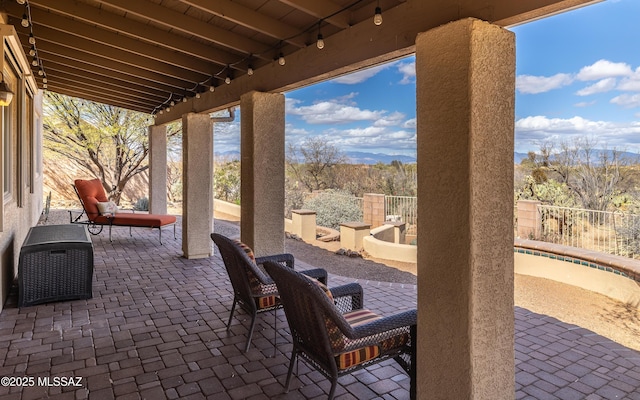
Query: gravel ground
x=352 y=267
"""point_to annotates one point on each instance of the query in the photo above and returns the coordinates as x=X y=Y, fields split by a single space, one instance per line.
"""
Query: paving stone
x=155 y=328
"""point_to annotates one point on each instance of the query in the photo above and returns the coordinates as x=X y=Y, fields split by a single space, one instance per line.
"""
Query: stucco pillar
x=197 y=185
x=465 y=110
x=158 y=169
x=262 y=172
x=373 y=209
x=529 y=219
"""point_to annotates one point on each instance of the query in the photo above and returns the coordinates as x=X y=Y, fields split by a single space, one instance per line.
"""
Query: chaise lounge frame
x=90 y=192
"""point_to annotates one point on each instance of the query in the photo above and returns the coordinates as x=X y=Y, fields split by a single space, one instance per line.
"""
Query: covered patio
x=155 y=329
x=182 y=60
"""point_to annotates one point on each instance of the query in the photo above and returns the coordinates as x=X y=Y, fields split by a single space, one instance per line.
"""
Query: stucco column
x=465 y=110
x=158 y=169
x=197 y=185
x=262 y=172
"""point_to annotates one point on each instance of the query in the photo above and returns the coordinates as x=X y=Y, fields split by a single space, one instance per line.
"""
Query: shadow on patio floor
x=155 y=329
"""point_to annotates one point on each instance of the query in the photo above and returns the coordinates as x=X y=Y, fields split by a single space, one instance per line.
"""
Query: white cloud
x=394 y=119
x=361 y=76
x=602 y=69
x=331 y=112
x=530 y=84
x=627 y=101
x=410 y=123
x=536 y=129
x=603 y=85
x=408 y=71
x=631 y=83
x=585 y=104
x=558 y=125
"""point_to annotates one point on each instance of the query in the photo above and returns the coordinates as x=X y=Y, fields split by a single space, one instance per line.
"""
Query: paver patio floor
x=155 y=328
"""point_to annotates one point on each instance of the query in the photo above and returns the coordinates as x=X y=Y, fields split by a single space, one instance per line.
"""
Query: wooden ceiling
x=148 y=54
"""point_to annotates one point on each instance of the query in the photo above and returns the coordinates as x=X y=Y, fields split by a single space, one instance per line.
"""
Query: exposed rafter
x=142 y=54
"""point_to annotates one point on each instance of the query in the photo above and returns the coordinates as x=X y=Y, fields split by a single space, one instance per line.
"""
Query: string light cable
x=225 y=72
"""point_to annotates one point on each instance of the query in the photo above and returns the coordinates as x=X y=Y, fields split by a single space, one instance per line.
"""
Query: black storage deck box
x=56 y=264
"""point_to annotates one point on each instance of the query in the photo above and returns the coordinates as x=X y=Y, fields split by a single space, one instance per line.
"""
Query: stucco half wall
x=597 y=280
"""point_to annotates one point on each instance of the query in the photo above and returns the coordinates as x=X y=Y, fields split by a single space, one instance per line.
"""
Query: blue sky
x=578 y=75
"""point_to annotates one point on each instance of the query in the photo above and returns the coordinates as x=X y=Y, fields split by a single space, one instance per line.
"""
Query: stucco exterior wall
x=17 y=220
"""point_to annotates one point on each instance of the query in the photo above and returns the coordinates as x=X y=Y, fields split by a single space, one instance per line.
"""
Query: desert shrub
x=334 y=207
x=142 y=204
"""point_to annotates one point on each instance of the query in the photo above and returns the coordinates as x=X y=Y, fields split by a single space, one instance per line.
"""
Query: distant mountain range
x=359 y=157
x=355 y=157
x=623 y=155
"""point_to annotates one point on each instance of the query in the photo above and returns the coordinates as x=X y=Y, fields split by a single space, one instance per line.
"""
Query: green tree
x=107 y=142
x=226 y=178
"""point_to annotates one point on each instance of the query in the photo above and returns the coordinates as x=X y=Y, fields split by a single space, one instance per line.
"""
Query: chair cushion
x=246 y=249
x=137 y=219
x=354 y=318
x=363 y=354
x=91 y=192
x=358 y=356
x=267 y=302
x=107 y=208
x=322 y=286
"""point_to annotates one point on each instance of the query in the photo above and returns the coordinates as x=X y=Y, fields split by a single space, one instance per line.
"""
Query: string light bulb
x=25 y=21
x=32 y=39
x=45 y=80
x=34 y=62
x=32 y=51
x=184 y=99
x=198 y=95
x=21 y=2
x=320 y=42
x=212 y=88
x=227 y=80
x=173 y=103
x=281 y=59
x=250 y=70
x=377 y=18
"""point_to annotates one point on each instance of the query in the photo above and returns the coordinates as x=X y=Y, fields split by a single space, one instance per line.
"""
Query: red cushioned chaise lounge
x=92 y=196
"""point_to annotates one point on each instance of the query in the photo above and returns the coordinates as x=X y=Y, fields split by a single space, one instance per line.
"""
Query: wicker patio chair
x=253 y=290
x=338 y=343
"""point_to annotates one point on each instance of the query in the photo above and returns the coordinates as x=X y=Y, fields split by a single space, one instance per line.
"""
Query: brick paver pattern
x=155 y=328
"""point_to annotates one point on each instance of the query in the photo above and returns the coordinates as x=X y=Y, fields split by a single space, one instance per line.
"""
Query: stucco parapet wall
x=303 y=212
x=619 y=265
x=386 y=250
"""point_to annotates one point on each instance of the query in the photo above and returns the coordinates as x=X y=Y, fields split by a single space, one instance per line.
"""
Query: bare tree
x=594 y=176
x=312 y=163
x=107 y=142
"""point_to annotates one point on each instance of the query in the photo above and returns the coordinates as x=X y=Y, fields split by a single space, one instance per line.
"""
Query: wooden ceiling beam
x=364 y=45
x=113 y=68
x=76 y=44
x=321 y=10
x=251 y=19
x=149 y=34
x=55 y=71
x=103 y=39
x=98 y=97
x=114 y=92
x=103 y=42
x=188 y=25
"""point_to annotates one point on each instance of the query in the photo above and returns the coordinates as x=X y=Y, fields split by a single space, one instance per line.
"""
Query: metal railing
x=608 y=232
x=403 y=208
